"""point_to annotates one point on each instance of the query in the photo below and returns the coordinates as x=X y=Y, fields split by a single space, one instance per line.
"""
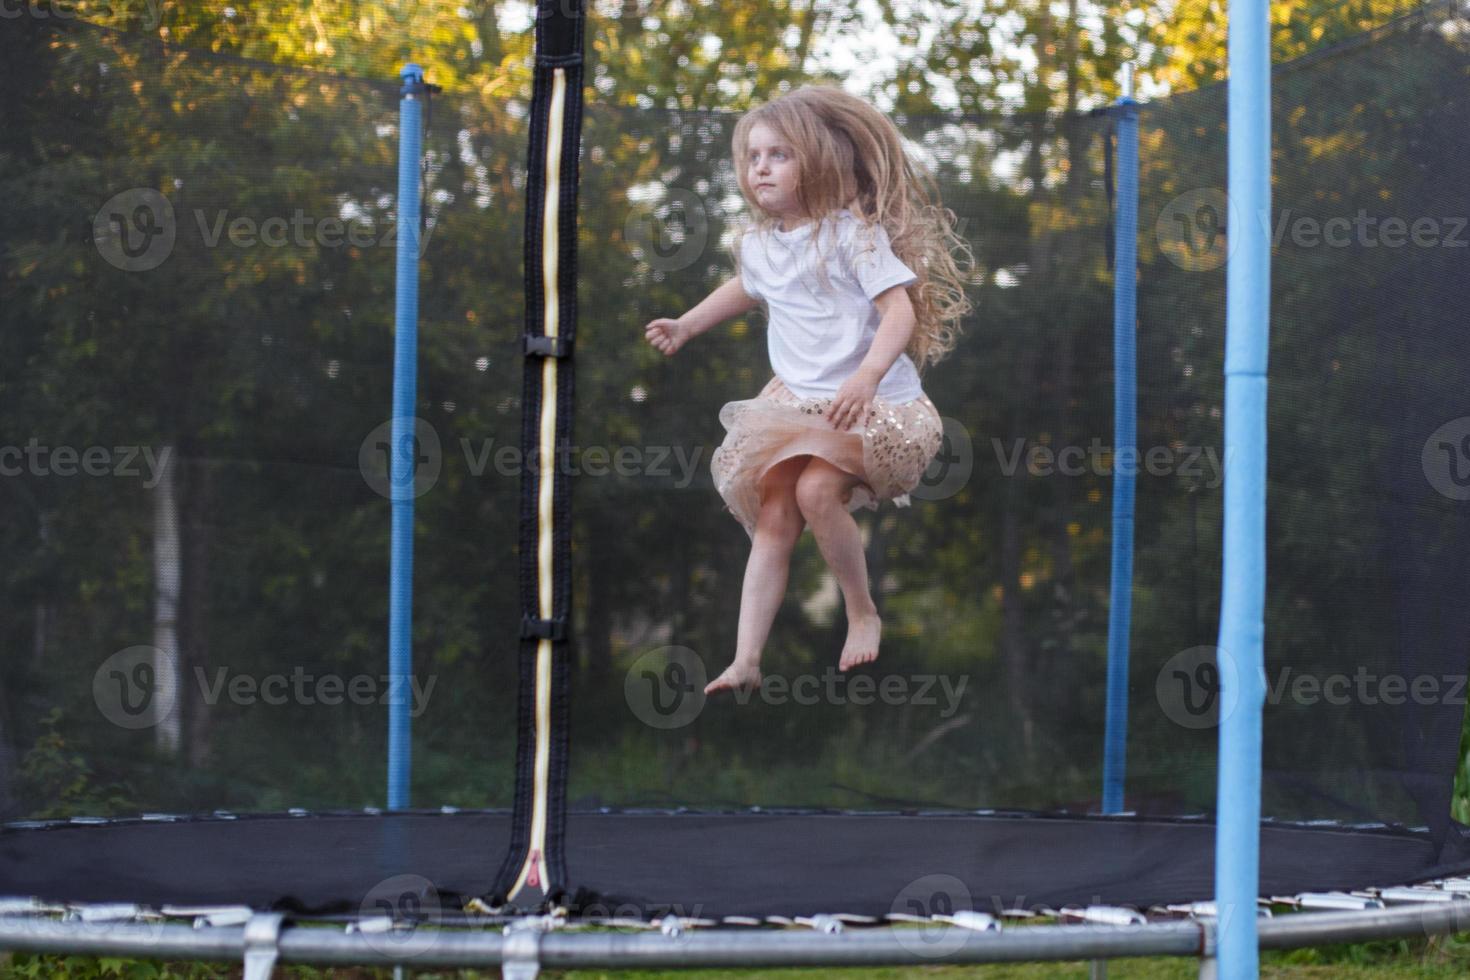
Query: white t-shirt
x=818 y=337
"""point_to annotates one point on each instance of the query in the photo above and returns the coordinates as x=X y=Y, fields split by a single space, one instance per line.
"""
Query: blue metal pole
x=1243 y=578
x=1125 y=451
x=403 y=456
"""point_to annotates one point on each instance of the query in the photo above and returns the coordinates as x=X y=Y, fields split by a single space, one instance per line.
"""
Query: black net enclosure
x=200 y=462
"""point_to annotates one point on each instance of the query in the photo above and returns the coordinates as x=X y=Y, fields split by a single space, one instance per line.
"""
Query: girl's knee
x=818 y=492
x=780 y=517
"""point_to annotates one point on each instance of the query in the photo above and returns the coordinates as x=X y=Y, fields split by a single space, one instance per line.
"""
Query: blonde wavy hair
x=849 y=155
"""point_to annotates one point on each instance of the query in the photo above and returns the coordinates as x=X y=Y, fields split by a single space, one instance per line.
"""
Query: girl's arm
x=856 y=394
x=725 y=302
x=894 y=331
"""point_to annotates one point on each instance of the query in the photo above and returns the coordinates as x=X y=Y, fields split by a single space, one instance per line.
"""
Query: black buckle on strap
x=547 y=346
x=544 y=629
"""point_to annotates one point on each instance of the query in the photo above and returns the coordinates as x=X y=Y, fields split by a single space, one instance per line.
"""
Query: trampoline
x=282 y=388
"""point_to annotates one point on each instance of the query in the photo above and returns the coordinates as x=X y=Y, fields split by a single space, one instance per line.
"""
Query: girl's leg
x=777 y=529
x=822 y=492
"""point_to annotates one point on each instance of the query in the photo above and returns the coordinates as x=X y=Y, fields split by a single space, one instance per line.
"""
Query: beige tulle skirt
x=888 y=451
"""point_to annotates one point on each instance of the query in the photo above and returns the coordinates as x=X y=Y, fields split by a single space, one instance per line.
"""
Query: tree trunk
x=1015 y=654
x=598 y=642
x=166 y=576
x=197 y=498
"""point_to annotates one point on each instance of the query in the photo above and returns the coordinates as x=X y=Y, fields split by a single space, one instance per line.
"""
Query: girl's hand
x=852 y=401
x=667 y=335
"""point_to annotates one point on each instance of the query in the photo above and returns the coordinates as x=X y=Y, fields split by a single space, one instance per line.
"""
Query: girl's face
x=771 y=172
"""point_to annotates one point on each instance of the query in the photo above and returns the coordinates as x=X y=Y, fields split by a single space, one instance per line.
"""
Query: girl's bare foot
x=862 y=641
x=737 y=677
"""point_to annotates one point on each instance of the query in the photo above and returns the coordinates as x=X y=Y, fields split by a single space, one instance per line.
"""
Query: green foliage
x=56 y=770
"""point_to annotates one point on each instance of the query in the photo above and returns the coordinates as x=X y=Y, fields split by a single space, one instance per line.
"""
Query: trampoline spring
x=1205 y=910
x=741 y=920
x=1017 y=913
x=537 y=924
x=827 y=924
x=209 y=915
x=1412 y=895
x=616 y=922
x=1334 y=901
x=1107 y=915
x=28 y=906
x=110 y=912
x=967 y=919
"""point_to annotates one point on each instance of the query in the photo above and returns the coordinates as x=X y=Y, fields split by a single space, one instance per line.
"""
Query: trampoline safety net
x=196 y=360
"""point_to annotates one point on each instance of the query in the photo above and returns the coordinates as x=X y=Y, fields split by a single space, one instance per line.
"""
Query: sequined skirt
x=889 y=450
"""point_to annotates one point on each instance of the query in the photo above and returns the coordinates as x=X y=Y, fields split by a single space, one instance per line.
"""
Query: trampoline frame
x=522 y=946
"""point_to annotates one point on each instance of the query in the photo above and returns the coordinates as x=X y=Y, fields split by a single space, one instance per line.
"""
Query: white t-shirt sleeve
x=747 y=281
x=873 y=263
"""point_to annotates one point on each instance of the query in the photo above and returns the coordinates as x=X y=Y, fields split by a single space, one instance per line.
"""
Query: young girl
x=854 y=265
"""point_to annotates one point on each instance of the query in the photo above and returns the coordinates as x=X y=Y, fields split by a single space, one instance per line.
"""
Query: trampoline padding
x=698 y=864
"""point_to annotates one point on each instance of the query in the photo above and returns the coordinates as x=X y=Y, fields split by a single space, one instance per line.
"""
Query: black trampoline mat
x=695 y=864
